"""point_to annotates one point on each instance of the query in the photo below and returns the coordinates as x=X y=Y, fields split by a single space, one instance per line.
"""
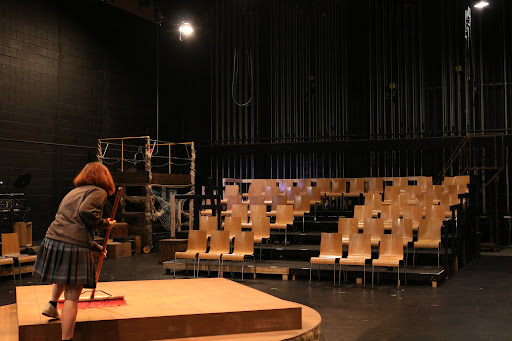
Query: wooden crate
x=119 y=250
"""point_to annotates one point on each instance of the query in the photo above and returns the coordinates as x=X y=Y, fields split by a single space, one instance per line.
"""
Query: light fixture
x=185 y=30
x=482 y=4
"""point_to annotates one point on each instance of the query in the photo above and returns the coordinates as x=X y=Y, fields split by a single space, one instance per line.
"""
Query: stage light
x=482 y=4
x=185 y=30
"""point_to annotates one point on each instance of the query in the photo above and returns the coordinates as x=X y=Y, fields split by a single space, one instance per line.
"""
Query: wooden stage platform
x=186 y=309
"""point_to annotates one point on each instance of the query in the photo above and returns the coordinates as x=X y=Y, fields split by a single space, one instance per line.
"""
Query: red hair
x=94 y=173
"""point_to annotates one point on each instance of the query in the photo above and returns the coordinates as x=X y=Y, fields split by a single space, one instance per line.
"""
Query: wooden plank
x=237 y=267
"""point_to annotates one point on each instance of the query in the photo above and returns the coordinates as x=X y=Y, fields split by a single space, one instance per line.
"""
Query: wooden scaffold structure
x=142 y=166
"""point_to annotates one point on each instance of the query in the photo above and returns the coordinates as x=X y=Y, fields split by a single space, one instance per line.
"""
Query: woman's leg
x=57 y=290
x=69 y=311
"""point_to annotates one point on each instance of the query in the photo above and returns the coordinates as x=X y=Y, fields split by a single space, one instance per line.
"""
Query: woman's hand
x=111 y=223
x=98 y=248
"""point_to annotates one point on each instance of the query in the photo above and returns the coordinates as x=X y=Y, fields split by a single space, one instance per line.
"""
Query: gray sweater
x=80 y=212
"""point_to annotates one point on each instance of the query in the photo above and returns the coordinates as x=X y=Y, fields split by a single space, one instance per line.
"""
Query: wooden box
x=168 y=247
x=120 y=230
x=119 y=250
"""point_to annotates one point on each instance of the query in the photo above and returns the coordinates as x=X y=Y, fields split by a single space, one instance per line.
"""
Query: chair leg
x=318 y=271
x=310 y=267
x=339 y=276
x=285 y=236
x=438 y=257
x=254 y=261
x=13 y=273
x=413 y=256
x=186 y=266
x=175 y=267
x=261 y=248
x=398 y=277
x=334 y=276
x=220 y=267
x=208 y=266
x=232 y=268
x=372 y=274
x=364 y=275
x=19 y=269
x=198 y=262
x=243 y=270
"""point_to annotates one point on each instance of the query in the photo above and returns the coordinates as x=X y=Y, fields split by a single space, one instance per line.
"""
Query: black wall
x=70 y=72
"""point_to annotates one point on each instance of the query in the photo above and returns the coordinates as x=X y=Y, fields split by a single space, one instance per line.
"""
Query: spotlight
x=482 y=4
x=185 y=30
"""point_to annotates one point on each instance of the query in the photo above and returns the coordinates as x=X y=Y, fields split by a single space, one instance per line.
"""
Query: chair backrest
x=374 y=227
x=284 y=214
x=373 y=200
x=389 y=212
x=291 y=192
x=197 y=241
x=331 y=244
x=391 y=245
x=434 y=212
x=360 y=244
x=347 y=226
x=261 y=227
x=430 y=229
x=278 y=200
x=233 y=225
x=258 y=183
x=244 y=243
x=233 y=200
x=400 y=181
x=302 y=184
x=402 y=227
x=301 y=203
x=219 y=243
x=256 y=190
x=361 y=212
x=284 y=183
x=241 y=212
x=10 y=244
x=412 y=212
x=313 y=193
x=257 y=199
x=208 y=224
x=356 y=185
x=391 y=193
x=339 y=186
x=270 y=183
x=323 y=184
x=231 y=190
x=424 y=182
x=375 y=185
x=270 y=191
x=257 y=211
x=449 y=199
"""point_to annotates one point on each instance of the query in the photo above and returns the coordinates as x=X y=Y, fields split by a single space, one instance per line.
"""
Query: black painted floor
x=475 y=304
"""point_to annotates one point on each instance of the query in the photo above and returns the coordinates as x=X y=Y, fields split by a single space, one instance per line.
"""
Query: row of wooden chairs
x=11 y=254
x=220 y=249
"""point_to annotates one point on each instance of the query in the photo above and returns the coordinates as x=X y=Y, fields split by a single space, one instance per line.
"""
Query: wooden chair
x=11 y=249
x=303 y=184
x=314 y=195
x=244 y=247
x=233 y=225
x=323 y=184
x=403 y=227
x=356 y=187
x=231 y=200
x=290 y=193
x=388 y=214
x=255 y=212
x=301 y=207
x=375 y=228
x=330 y=251
x=196 y=243
x=375 y=185
x=284 y=217
x=261 y=229
x=219 y=245
x=361 y=212
x=7 y=261
x=401 y=181
x=391 y=253
x=374 y=201
x=255 y=199
x=339 y=188
x=359 y=251
x=269 y=194
x=391 y=194
x=241 y=212
x=447 y=200
x=425 y=182
x=255 y=190
x=414 y=214
x=229 y=191
x=208 y=224
x=347 y=227
x=284 y=183
x=429 y=237
x=434 y=212
x=276 y=201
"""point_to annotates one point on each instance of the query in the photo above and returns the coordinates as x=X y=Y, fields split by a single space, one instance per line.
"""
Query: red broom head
x=97 y=303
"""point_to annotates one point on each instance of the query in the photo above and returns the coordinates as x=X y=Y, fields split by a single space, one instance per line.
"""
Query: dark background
x=339 y=88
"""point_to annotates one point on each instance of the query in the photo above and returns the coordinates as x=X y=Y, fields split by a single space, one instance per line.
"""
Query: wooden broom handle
x=107 y=232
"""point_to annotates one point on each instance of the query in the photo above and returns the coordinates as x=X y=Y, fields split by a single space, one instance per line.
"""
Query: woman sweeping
x=65 y=257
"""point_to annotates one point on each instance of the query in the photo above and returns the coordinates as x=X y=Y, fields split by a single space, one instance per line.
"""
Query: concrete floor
x=475 y=304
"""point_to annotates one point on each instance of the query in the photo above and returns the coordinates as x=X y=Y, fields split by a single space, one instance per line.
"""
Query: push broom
x=104 y=299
